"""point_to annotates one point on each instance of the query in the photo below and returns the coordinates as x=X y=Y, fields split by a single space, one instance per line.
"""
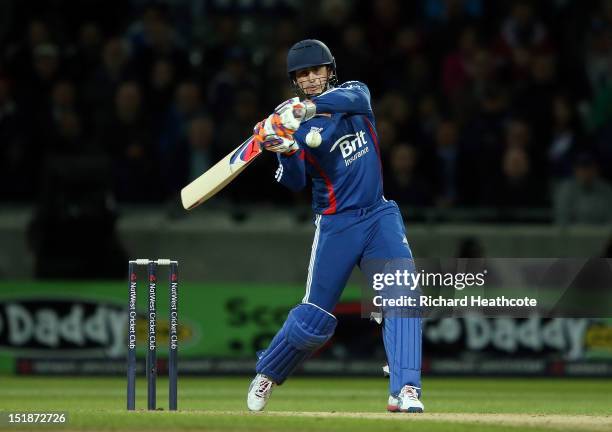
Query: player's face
x=312 y=80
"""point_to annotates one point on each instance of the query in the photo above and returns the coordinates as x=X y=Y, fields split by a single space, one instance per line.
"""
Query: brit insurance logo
x=352 y=146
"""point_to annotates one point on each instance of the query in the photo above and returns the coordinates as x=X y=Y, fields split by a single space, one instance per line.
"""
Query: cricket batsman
x=329 y=134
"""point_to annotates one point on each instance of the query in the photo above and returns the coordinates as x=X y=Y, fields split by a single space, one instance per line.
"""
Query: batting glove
x=293 y=112
x=286 y=146
x=275 y=137
x=272 y=125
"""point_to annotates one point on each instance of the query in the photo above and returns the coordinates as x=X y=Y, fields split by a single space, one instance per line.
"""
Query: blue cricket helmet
x=309 y=53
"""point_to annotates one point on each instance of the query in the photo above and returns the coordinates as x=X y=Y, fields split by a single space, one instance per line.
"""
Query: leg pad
x=306 y=329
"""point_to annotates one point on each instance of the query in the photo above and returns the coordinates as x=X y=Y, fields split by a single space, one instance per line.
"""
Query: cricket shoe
x=409 y=400
x=259 y=392
x=393 y=404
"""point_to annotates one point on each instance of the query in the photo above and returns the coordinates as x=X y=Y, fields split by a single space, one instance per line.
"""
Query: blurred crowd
x=496 y=104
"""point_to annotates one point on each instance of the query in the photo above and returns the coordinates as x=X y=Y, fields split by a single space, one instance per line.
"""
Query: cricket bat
x=220 y=174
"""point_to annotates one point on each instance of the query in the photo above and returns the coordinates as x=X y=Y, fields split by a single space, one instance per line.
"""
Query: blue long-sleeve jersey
x=346 y=169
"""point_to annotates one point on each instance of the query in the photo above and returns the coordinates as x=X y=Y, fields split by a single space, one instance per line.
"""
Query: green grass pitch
x=318 y=404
